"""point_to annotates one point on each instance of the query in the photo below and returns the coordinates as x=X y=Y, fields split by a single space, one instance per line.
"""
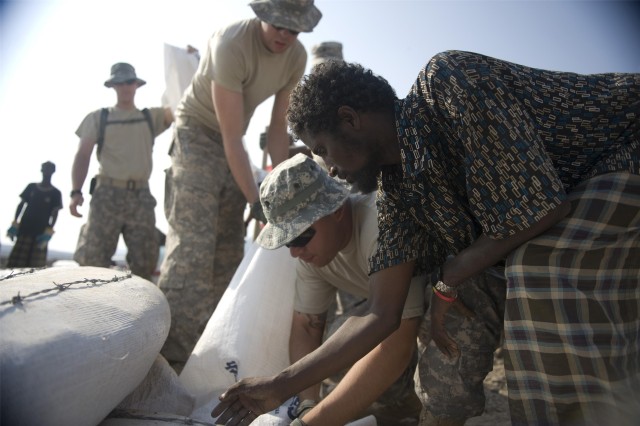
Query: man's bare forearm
x=359 y=388
x=486 y=252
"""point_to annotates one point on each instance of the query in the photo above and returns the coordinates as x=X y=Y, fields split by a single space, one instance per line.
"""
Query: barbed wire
x=59 y=287
x=14 y=274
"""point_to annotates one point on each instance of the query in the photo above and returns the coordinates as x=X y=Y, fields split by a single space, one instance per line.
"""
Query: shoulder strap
x=147 y=116
x=104 y=113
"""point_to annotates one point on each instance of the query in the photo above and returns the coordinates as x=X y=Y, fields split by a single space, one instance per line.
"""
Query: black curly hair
x=314 y=102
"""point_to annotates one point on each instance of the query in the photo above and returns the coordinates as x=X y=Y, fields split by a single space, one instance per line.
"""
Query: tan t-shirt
x=348 y=271
x=127 y=148
x=237 y=59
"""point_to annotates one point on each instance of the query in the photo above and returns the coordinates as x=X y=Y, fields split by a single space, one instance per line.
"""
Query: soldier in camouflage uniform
x=210 y=180
x=334 y=235
x=121 y=202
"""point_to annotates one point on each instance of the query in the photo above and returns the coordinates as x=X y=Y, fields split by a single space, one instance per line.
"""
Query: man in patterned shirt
x=488 y=161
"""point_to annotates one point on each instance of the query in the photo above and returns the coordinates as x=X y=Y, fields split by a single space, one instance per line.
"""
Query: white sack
x=179 y=68
x=160 y=391
x=248 y=334
x=69 y=357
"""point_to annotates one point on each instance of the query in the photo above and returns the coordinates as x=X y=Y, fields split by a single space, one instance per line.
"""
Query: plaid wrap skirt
x=572 y=320
x=27 y=254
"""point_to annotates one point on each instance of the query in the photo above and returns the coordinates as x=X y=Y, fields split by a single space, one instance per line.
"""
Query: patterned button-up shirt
x=490 y=147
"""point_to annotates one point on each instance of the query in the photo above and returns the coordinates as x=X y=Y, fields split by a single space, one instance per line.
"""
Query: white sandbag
x=248 y=334
x=179 y=68
x=160 y=391
x=143 y=418
x=69 y=357
x=134 y=418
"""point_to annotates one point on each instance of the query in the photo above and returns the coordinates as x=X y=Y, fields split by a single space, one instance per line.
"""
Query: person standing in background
x=211 y=180
x=33 y=224
x=121 y=202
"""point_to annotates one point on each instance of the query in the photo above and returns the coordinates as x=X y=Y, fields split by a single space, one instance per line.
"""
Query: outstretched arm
x=19 y=210
x=357 y=337
x=168 y=117
x=277 y=135
x=486 y=252
x=306 y=336
x=360 y=388
x=54 y=218
x=483 y=253
x=230 y=112
x=12 y=232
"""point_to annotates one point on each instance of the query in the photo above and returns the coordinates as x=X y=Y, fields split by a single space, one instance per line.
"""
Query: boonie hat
x=121 y=73
x=325 y=51
x=295 y=194
x=295 y=15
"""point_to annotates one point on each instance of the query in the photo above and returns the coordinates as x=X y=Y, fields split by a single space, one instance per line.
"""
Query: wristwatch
x=445 y=289
x=441 y=286
x=76 y=192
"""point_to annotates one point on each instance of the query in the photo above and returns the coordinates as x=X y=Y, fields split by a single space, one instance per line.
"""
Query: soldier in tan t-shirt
x=121 y=202
x=333 y=232
x=211 y=180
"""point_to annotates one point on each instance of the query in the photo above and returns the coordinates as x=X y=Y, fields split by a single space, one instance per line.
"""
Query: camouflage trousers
x=205 y=241
x=115 y=211
x=451 y=390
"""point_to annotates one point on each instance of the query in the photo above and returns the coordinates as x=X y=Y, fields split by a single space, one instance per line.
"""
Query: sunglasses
x=293 y=33
x=303 y=239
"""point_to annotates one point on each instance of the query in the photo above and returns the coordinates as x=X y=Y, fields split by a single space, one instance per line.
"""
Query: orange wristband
x=443 y=297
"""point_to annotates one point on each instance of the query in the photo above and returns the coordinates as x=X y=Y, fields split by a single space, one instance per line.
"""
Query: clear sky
x=56 y=54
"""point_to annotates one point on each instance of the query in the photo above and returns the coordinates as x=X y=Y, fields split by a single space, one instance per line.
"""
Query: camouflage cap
x=295 y=194
x=121 y=73
x=326 y=50
x=295 y=15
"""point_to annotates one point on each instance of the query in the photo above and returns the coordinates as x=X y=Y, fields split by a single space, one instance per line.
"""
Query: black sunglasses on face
x=293 y=33
x=303 y=239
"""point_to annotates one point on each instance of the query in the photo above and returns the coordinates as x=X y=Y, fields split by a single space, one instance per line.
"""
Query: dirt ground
x=495 y=390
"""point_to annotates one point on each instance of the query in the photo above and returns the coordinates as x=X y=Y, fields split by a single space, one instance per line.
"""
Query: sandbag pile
x=74 y=342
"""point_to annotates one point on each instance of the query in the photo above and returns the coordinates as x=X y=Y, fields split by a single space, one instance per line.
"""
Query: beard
x=365 y=180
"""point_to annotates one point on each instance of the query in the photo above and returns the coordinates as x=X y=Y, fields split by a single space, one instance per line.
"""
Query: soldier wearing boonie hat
x=333 y=232
x=123 y=73
x=123 y=137
x=294 y=195
x=210 y=181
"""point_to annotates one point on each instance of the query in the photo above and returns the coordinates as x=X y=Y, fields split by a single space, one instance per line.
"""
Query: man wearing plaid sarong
x=483 y=162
